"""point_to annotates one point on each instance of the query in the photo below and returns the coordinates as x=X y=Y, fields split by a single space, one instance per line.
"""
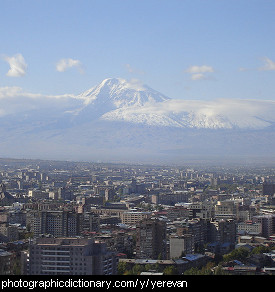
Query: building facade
x=181 y=245
x=151 y=239
x=68 y=256
x=57 y=223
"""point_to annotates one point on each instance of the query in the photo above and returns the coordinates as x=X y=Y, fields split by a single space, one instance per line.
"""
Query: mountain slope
x=122 y=93
x=121 y=120
x=116 y=99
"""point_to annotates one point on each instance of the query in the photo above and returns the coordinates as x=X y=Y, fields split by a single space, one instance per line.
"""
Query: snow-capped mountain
x=116 y=99
x=219 y=114
x=112 y=94
x=122 y=93
x=120 y=120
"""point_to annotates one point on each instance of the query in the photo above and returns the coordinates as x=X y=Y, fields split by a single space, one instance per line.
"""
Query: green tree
x=192 y=271
x=137 y=269
x=171 y=270
x=260 y=249
x=239 y=254
x=220 y=271
x=123 y=268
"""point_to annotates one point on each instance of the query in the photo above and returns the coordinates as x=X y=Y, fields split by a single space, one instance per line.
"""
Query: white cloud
x=197 y=76
x=135 y=84
x=16 y=92
x=132 y=70
x=221 y=113
x=200 y=69
x=17 y=64
x=269 y=65
x=199 y=72
x=65 y=64
x=15 y=99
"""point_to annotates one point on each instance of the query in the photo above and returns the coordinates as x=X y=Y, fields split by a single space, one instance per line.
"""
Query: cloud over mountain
x=128 y=120
x=116 y=99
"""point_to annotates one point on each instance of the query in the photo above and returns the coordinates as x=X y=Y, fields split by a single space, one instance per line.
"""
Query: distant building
x=109 y=194
x=196 y=227
x=181 y=245
x=267 y=222
x=68 y=256
x=8 y=232
x=6 y=199
x=226 y=210
x=177 y=212
x=57 y=223
x=5 y=262
x=268 y=188
x=170 y=199
x=249 y=227
x=133 y=217
x=224 y=230
x=203 y=210
x=151 y=239
x=91 y=222
x=38 y=194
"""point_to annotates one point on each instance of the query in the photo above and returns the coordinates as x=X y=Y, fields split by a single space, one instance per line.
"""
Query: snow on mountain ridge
x=122 y=93
x=118 y=100
x=219 y=114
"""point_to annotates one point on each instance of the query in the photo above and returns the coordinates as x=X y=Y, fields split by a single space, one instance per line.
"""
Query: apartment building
x=68 y=256
x=133 y=217
x=170 y=199
x=222 y=231
x=196 y=227
x=268 y=224
x=249 y=227
x=151 y=239
x=180 y=245
x=227 y=209
x=57 y=223
x=5 y=262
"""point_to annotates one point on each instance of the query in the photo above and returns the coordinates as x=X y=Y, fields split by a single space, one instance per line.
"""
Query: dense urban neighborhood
x=82 y=218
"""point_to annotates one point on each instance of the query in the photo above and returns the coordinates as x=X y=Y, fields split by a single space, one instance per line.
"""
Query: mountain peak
x=121 y=92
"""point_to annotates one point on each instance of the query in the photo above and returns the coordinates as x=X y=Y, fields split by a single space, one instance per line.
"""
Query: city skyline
x=68 y=218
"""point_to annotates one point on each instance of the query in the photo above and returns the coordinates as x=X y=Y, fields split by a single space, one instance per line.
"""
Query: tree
x=123 y=268
x=137 y=269
x=171 y=270
x=192 y=271
x=260 y=249
x=220 y=271
x=239 y=254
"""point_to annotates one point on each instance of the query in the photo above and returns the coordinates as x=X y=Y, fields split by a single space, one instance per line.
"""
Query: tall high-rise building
x=267 y=223
x=269 y=188
x=180 y=245
x=5 y=262
x=223 y=231
x=68 y=256
x=57 y=223
x=226 y=210
x=151 y=239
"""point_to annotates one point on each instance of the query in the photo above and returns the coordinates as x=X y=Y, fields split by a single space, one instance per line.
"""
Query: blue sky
x=186 y=49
